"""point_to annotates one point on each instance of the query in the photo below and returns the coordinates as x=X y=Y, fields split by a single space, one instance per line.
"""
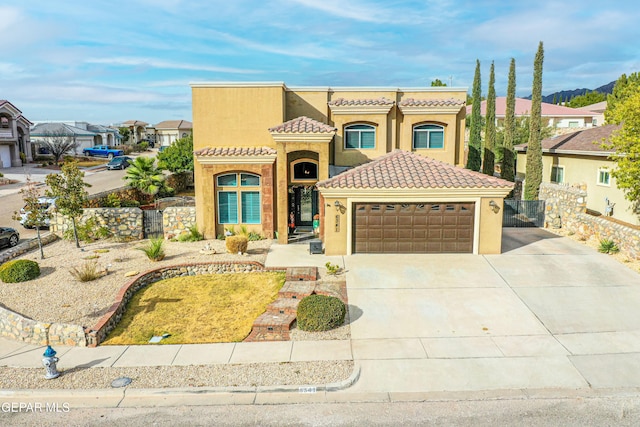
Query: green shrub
x=253 y=236
x=608 y=246
x=332 y=269
x=86 y=272
x=19 y=270
x=236 y=244
x=154 y=250
x=192 y=235
x=112 y=201
x=88 y=231
x=320 y=313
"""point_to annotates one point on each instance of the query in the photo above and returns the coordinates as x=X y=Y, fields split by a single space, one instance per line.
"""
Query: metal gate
x=523 y=213
x=152 y=221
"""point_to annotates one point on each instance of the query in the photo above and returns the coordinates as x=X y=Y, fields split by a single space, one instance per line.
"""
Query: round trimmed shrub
x=19 y=270
x=320 y=313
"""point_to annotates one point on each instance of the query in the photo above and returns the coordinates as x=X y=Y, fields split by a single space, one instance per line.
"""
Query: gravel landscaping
x=57 y=297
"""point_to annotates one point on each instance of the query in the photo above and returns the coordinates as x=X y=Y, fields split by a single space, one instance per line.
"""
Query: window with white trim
x=360 y=136
x=428 y=136
x=238 y=198
x=604 y=177
x=557 y=174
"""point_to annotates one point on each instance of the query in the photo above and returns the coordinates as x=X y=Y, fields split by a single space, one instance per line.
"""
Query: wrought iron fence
x=523 y=213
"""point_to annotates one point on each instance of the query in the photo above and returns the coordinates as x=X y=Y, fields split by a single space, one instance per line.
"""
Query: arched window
x=360 y=136
x=428 y=136
x=304 y=170
x=238 y=198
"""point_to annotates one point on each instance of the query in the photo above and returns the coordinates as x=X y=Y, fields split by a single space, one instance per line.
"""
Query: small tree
x=626 y=144
x=437 y=83
x=68 y=187
x=125 y=133
x=508 y=157
x=534 y=148
x=58 y=143
x=490 y=126
x=146 y=177
x=474 y=158
x=35 y=215
x=178 y=157
x=624 y=87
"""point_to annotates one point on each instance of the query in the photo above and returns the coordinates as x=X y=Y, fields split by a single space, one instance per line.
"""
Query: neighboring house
x=578 y=158
x=552 y=115
x=104 y=135
x=14 y=136
x=265 y=151
x=171 y=130
x=138 y=130
x=43 y=131
x=599 y=108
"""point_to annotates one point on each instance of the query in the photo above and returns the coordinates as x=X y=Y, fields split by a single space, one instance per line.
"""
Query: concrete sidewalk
x=18 y=354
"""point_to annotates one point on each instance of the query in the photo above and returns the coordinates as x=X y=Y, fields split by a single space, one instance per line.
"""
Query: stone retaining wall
x=123 y=223
x=566 y=208
x=110 y=320
x=19 y=328
x=177 y=220
x=25 y=247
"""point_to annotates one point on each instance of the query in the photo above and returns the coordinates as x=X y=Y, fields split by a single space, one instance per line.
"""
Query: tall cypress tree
x=508 y=156
x=490 y=127
x=475 y=139
x=534 y=147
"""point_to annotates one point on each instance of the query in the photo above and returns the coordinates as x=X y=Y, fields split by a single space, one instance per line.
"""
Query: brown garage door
x=413 y=228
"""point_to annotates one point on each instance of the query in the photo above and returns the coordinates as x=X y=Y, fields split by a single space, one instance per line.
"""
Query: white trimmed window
x=604 y=177
x=557 y=174
x=428 y=136
x=238 y=198
x=360 y=136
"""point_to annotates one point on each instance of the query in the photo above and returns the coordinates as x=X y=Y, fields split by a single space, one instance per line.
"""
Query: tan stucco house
x=580 y=159
x=169 y=131
x=380 y=167
x=14 y=136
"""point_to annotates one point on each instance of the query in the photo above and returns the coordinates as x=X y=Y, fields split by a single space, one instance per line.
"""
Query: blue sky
x=110 y=61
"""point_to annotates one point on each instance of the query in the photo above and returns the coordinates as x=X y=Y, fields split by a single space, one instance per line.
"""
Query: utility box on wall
x=315 y=247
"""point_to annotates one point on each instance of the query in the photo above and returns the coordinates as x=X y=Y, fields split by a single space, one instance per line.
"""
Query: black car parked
x=120 y=162
x=9 y=236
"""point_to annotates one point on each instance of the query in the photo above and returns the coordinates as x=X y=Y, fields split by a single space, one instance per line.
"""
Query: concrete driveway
x=548 y=313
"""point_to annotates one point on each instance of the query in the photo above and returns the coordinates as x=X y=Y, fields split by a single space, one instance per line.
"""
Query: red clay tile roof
x=342 y=102
x=302 y=124
x=404 y=169
x=450 y=102
x=586 y=140
x=234 y=151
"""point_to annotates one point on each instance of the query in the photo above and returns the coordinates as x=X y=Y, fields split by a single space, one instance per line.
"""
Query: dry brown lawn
x=197 y=309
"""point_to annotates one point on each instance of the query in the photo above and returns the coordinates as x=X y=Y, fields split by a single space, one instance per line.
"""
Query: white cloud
x=156 y=63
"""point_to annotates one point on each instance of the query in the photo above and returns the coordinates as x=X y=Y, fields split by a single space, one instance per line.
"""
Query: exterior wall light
x=339 y=207
x=494 y=206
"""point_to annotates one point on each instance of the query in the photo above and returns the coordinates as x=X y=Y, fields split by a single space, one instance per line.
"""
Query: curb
x=131 y=397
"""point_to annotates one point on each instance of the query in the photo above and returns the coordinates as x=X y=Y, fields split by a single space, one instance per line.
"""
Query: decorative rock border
x=97 y=334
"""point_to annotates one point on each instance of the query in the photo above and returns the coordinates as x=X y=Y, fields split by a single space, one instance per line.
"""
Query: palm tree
x=146 y=177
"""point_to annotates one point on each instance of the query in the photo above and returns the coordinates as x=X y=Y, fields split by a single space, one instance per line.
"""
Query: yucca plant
x=608 y=246
x=154 y=250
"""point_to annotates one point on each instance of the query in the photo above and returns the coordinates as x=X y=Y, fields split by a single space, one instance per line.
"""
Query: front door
x=303 y=202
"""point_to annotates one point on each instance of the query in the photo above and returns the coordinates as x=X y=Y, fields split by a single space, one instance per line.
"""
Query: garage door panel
x=413 y=227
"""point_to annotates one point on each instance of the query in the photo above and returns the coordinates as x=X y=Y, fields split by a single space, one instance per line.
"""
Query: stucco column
x=323 y=162
x=282 y=205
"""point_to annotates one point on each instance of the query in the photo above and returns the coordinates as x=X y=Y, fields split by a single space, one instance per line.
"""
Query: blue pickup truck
x=102 y=151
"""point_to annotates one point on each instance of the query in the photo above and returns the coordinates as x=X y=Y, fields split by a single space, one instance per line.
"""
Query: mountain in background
x=568 y=94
